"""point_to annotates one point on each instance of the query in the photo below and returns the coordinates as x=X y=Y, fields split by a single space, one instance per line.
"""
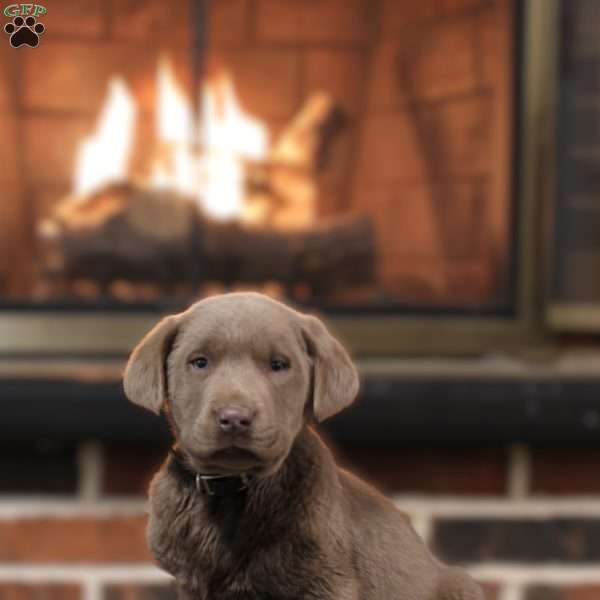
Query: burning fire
x=104 y=156
x=229 y=137
x=205 y=160
x=176 y=167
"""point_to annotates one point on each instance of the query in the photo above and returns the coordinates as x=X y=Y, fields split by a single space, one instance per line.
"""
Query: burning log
x=114 y=237
x=128 y=232
x=305 y=141
x=283 y=192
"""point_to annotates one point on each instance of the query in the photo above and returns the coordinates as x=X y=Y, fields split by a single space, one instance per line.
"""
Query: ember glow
x=104 y=155
x=205 y=160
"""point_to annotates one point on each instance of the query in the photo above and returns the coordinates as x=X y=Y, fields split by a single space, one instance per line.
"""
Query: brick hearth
x=494 y=509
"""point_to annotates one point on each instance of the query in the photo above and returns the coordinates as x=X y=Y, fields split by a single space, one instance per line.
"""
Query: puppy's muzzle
x=235 y=420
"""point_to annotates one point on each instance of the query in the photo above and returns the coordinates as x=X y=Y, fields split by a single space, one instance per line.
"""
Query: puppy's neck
x=302 y=471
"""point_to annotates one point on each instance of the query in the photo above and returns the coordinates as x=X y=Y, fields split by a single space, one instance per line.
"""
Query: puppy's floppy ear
x=145 y=375
x=335 y=382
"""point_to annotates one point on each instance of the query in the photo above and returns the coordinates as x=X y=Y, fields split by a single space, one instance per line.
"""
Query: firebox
x=350 y=156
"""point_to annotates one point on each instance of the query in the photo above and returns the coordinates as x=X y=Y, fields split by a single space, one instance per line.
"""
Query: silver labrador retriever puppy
x=250 y=504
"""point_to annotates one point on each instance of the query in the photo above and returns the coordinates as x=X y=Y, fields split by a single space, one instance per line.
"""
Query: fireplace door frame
x=34 y=333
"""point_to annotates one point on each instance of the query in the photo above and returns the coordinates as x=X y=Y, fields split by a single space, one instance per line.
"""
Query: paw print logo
x=24 y=32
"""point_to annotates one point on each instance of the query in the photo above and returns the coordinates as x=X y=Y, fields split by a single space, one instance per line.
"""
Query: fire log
x=283 y=191
x=128 y=232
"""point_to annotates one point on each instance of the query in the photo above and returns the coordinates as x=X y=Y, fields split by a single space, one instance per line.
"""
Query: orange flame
x=229 y=136
x=177 y=167
x=207 y=162
x=104 y=156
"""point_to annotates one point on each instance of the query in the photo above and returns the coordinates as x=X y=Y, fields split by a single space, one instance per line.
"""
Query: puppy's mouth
x=233 y=454
x=232 y=459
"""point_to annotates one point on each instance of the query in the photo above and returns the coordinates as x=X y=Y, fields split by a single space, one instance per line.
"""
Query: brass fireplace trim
x=35 y=333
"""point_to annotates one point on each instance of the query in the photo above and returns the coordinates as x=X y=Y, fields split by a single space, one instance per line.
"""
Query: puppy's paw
x=455 y=584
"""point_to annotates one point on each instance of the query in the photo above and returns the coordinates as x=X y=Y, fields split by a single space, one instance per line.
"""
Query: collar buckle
x=204 y=482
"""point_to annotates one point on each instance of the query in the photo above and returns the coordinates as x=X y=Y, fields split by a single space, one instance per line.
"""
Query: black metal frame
x=391 y=411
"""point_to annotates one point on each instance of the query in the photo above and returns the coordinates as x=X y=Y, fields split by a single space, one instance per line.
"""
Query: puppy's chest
x=233 y=557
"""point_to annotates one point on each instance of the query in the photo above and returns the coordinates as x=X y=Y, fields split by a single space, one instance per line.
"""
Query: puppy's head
x=240 y=374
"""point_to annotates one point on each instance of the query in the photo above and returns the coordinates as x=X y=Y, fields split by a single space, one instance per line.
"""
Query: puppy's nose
x=233 y=419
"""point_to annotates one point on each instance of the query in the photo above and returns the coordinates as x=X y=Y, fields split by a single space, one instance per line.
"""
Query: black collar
x=213 y=485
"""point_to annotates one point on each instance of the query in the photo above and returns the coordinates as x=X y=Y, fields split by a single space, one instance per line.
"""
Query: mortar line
x=511 y=591
x=84 y=574
x=519 y=472
x=89 y=471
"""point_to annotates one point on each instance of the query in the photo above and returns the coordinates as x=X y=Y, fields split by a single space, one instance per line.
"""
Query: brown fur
x=304 y=528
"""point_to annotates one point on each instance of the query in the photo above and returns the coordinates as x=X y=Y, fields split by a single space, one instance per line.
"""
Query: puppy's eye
x=279 y=364
x=199 y=363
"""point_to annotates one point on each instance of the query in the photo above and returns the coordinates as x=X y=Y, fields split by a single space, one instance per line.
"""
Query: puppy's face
x=238 y=381
x=239 y=373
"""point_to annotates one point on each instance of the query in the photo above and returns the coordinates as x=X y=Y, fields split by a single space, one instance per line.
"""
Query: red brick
x=8 y=146
x=569 y=540
x=153 y=20
x=46 y=196
x=435 y=281
x=460 y=133
x=471 y=281
x=77 y=540
x=228 y=22
x=461 y=210
x=495 y=32
x=453 y=7
x=565 y=471
x=267 y=81
x=140 y=592
x=78 y=77
x=582 y=592
x=469 y=471
x=15 y=251
x=8 y=70
x=80 y=73
x=338 y=165
x=413 y=280
x=398 y=15
x=74 y=19
x=404 y=218
x=446 y=140
x=332 y=201
x=417 y=220
x=431 y=250
x=444 y=63
x=39 y=591
x=389 y=150
x=128 y=468
x=432 y=63
x=50 y=147
x=555 y=592
x=315 y=21
x=491 y=590
x=385 y=92
x=339 y=72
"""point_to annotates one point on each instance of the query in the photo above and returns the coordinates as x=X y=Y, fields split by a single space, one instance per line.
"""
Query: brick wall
x=427 y=89
x=524 y=520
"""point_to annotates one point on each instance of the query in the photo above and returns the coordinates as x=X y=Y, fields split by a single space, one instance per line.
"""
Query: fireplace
x=354 y=157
